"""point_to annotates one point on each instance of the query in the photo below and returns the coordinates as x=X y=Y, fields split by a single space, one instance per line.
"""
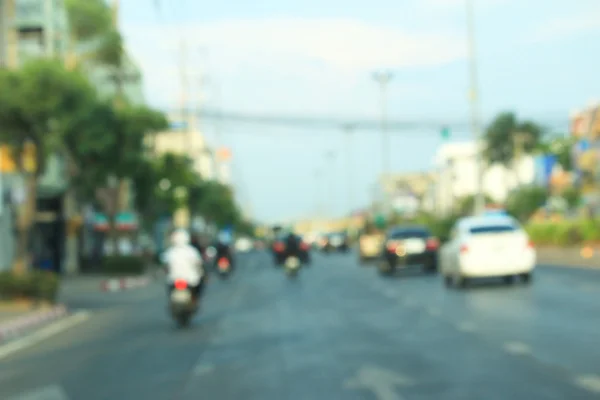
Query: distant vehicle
x=243 y=245
x=370 y=241
x=487 y=246
x=281 y=249
x=337 y=241
x=409 y=246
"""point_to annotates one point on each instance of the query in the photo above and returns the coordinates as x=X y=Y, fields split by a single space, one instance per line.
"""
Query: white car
x=487 y=246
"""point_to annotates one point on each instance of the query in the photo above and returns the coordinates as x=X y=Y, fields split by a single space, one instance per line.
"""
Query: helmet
x=180 y=237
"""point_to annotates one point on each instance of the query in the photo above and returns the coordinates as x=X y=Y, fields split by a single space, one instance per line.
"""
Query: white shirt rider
x=183 y=260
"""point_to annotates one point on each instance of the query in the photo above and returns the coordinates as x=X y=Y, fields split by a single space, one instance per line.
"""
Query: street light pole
x=383 y=78
x=475 y=105
x=349 y=129
x=330 y=190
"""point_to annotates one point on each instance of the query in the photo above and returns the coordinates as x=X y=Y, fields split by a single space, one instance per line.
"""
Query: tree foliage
x=502 y=135
x=524 y=202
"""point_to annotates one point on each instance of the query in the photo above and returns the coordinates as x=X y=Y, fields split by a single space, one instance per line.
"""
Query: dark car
x=282 y=246
x=337 y=241
x=410 y=245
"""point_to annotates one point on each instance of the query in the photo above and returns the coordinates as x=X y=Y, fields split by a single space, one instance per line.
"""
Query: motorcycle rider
x=223 y=248
x=292 y=244
x=184 y=262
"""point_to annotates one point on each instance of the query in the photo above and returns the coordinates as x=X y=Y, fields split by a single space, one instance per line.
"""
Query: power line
x=433 y=125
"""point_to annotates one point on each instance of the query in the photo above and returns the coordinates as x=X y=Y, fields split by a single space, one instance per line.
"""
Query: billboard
x=544 y=165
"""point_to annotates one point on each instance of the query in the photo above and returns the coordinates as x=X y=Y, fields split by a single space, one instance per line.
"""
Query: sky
x=316 y=58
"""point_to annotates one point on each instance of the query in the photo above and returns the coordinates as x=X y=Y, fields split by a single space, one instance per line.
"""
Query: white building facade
x=456 y=173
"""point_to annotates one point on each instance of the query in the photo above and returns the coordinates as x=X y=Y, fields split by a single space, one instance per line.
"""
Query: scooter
x=224 y=267
x=292 y=265
x=182 y=303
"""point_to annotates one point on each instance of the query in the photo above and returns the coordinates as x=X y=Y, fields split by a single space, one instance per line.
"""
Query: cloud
x=315 y=61
x=566 y=26
x=344 y=44
x=459 y=4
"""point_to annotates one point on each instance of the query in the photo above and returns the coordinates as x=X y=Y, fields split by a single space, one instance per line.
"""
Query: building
x=585 y=127
x=189 y=142
x=403 y=193
x=456 y=177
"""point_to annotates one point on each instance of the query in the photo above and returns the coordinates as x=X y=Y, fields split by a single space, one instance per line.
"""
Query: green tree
x=38 y=105
x=559 y=147
x=216 y=203
x=524 y=202
x=506 y=136
x=108 y=145
x=466 y=205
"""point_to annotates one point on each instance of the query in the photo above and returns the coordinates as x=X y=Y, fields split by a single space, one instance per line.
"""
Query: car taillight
x=432 y=243
x=464 y=249
x=278 y=247
x=180 y=284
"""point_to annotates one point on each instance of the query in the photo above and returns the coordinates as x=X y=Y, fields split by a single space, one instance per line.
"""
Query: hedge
x=564 y=233
x=35 y=285
x=124 y=265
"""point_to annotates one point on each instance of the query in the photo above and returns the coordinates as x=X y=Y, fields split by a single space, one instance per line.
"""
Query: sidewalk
x=568 y=257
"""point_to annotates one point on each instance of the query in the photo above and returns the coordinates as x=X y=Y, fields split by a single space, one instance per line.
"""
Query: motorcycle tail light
x=223 y=262
x=180 y=284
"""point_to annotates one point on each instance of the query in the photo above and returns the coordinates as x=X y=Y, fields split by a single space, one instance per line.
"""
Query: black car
x=407 y=246
x=337 y=241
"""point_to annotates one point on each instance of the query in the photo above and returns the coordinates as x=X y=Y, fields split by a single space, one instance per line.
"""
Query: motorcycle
x=182 y=303
x=292 y=265
x=224 y=267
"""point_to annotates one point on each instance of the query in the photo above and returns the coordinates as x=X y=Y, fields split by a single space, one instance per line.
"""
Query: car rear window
x=478 y=230
x=410 y=233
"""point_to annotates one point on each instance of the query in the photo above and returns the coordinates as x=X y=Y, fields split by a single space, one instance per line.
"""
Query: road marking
x=53 y=392
x=517 y=348
x=43 y=333
x=203 y=369
x=433 y=311
x=382 y=382
x=466 y=327
x=590 y=383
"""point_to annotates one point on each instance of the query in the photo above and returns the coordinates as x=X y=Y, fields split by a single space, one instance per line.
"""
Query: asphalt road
x=340 y=331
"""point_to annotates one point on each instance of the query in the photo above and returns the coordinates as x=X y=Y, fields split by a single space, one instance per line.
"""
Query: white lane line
x=203 y=369
x=433 y=311
x=517 y=348
x=43 y=333
x=590 y=383
x=53 y=392
x=466 y=327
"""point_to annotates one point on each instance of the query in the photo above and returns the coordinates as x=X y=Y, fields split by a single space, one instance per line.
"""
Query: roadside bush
x=124 y=265
x=564 y=233
x=35 y=285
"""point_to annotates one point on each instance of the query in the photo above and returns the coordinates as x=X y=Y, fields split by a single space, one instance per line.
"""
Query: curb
x=19 y=325
x=117 y=285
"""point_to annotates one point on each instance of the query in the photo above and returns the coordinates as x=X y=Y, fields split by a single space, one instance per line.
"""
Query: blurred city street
x=338 y=331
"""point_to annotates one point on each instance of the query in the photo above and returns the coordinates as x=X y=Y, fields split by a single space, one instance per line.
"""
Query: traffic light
x=445 y=133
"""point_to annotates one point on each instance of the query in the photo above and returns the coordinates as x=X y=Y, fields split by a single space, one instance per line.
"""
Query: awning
x=125 y=221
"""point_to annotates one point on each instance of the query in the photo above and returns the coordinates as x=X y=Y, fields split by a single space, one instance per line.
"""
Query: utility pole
x=349 y=129
x=383 y=78
x=331 y=156
x=475 y=106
